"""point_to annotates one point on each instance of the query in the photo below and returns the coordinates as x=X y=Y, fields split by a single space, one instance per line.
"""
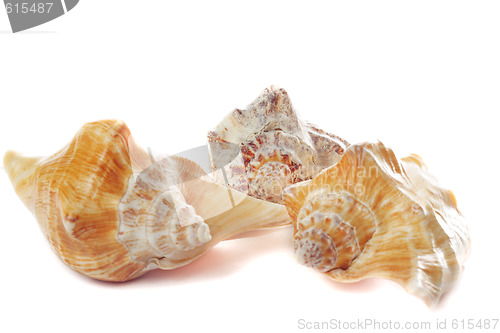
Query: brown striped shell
x=109 y=213
x=371 y=215
x=265 y=148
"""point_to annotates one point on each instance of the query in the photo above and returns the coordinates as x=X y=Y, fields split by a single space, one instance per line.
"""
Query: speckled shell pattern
x=266 y=147
x=371 y=215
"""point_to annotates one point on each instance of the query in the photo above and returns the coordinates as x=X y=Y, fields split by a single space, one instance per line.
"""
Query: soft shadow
x=216 y=263
x=360 y=287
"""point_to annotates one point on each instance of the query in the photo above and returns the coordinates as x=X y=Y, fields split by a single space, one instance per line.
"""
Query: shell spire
x=20 y=170
x=371 y=215
x=112 y=214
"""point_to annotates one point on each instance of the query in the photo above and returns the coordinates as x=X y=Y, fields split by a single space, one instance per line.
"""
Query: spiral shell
x=113 y=214
x=155 y=219
x=371 y=215
x=265 y=148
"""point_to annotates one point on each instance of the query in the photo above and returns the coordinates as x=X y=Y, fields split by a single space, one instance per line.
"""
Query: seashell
x=113 y=214
x=371 y=215
x=265 y=148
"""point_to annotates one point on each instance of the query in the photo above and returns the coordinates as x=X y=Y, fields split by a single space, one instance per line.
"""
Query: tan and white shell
x=371 y=215
x=265 y=148
x=112 y=214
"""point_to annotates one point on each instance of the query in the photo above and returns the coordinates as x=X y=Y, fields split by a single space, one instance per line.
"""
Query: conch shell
x=265 y=148
x=113 y=214
x=371 y=215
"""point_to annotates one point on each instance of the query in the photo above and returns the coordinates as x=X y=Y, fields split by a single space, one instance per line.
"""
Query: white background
x=421 y=76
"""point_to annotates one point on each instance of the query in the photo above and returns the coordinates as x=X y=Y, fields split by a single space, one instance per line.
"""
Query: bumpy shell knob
x=371 y=215
x=265 y=148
